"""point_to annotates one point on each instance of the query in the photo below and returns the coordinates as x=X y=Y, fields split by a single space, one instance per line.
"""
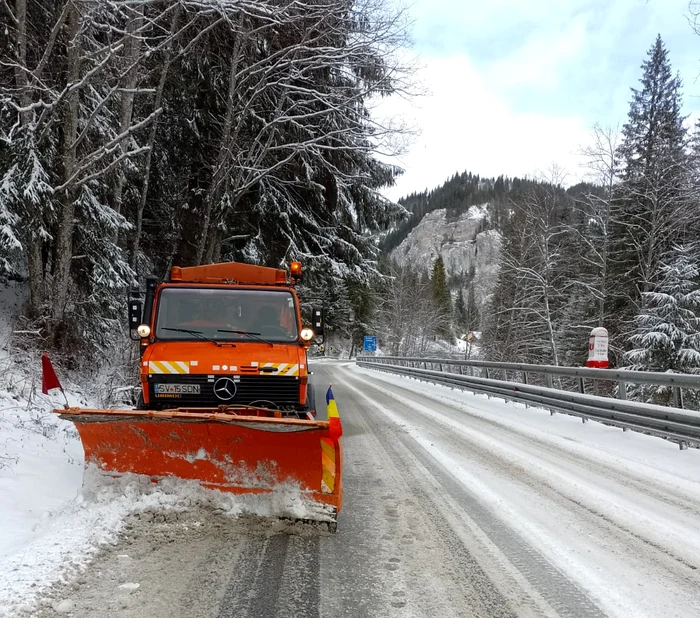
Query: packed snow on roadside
x=659 y=459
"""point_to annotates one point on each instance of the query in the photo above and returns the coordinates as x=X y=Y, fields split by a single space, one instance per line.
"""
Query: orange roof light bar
x=296 y=270
x=229 y=272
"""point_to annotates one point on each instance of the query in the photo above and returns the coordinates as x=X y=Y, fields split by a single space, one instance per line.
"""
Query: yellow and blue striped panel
x=178 y=367
x=328 y=459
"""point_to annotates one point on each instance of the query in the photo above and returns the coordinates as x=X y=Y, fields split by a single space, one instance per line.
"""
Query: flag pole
x=65 y=405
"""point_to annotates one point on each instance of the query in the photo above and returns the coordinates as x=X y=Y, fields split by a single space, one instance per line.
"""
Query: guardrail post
x=550 y=384
x=622 y=390
x=582 y=386
x=525 y=382
x=677 y=397
x=683 y=445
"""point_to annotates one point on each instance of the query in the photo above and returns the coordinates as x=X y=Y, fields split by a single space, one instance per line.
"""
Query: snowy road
x=455 y=505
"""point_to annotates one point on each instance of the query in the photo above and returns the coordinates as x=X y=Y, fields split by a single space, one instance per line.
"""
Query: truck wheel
x=140 y=405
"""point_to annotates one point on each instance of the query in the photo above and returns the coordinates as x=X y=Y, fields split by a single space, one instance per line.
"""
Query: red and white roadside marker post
x=597 y=353
x=598 y=348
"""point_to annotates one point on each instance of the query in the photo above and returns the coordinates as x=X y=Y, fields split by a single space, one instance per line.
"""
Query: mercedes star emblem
x=225 y=389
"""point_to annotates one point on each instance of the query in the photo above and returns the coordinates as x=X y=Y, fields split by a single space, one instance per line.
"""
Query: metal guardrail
x=674 y=424
x=677 y=381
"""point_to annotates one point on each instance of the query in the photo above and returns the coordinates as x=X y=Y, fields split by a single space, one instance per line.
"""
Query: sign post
x=370 y=343
x=598 y=349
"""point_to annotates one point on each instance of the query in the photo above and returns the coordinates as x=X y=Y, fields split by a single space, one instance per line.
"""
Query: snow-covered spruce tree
x=652 y=206
x=363 y=300
x=442 y=299
x=459 y=318
x=667 y=329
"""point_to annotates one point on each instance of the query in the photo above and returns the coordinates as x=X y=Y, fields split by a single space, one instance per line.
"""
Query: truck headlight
x=143 y=330
x=307 y=334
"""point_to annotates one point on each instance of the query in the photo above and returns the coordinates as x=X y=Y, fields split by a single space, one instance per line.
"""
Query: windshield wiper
x=247 y=332
x=198 y=333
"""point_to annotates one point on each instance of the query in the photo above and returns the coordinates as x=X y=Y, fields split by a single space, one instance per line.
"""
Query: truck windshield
x=209 y=311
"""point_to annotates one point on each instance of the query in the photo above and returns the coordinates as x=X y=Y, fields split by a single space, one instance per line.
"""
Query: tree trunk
x=131 y=56
x=222 y=158
x=151 y=144
x=35 y=265
x=66 y=223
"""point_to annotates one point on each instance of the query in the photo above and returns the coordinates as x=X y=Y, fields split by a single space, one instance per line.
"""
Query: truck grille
x=282 y=391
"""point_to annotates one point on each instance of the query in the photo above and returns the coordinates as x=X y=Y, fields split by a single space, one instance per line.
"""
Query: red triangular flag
x=49 y=379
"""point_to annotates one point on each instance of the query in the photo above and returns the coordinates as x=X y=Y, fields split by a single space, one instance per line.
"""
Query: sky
x=514 y=87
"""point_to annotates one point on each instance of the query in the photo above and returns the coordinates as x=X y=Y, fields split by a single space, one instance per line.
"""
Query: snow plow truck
x=225 y=395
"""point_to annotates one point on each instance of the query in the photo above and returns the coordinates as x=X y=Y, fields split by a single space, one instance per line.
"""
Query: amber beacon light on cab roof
x=225 y=398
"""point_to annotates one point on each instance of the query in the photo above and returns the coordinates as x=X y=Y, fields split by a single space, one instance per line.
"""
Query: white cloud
x=465 y=126
x=543 y=58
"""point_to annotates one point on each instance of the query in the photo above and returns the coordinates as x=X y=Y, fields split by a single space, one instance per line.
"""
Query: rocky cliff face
x=464 y=243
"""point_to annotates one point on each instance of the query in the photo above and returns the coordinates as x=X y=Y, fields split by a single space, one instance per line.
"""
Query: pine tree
x=667 y=334
x=441 y=297
x=652 y=206
x=473 y=318
x=461 y=319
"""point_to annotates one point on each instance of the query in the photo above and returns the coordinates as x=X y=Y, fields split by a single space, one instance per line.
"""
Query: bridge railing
x=671 y=422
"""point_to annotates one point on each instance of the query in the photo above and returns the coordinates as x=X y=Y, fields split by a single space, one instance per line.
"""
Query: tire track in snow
x=675 y=497
x=540 y=482
x=279 y=580
x=671 y=581
x=402 y=559
x=562 y=594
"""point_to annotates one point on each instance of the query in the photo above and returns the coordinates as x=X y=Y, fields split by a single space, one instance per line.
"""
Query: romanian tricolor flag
x=335 y=429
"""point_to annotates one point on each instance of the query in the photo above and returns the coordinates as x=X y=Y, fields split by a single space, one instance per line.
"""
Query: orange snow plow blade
x=232 y=450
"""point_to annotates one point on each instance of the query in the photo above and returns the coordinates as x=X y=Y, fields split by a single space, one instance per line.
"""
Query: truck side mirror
x=318 y=320
x=135 y=317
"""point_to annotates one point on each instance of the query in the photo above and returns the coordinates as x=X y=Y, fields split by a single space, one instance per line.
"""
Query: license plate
x=178 y=389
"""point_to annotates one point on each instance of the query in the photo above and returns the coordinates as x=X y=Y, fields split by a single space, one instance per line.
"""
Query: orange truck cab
x=228 y=334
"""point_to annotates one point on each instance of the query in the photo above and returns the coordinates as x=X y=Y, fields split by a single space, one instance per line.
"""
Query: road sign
x=370 y=343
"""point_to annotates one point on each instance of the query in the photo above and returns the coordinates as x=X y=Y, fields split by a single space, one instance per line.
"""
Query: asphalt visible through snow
x=415 y=537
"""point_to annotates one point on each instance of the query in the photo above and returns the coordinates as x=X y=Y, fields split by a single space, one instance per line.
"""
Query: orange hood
x=245 y=358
